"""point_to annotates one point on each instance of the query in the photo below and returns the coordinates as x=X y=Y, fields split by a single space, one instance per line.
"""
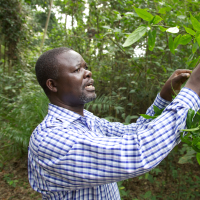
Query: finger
x=180 y=71
x=181 y=77
x=185 y=75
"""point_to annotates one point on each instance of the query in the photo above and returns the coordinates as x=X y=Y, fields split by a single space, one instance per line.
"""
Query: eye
x=77 y=70
x=86 y=67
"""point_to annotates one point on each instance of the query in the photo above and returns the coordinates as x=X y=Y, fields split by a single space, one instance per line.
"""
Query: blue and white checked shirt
x=72 y=157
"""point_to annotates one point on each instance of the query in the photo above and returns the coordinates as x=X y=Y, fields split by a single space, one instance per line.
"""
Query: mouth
x=90 y=86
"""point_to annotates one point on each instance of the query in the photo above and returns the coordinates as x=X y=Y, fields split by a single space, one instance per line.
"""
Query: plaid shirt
x=72 y=157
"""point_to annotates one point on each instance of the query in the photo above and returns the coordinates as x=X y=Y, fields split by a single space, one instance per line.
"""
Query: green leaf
x=185 y=139
x=197 y=36
x=132 y=91
x=196 y=144
x=107 y=27
x=147 y=194
x=185 y=39
x=142 y=13
x=196 y=141
x=171 y=44
x=185 y=159
x=151 y=39
x=128 y=119
x=148 y=116
x=162 y=29
x=135 y=36
x=198 y=157
x=156 y=19
x=190 y=59
x=176 y=41
x=195 y=23
x=157 y=110
x=195 y=46
x=193 y=63
x=150 y=178
x=164 y=10
x=189 y=119
x=181 y=16
x=134 y=117
x=189 y=30
x=196 y=118
x=173 y=30
x=122 y=88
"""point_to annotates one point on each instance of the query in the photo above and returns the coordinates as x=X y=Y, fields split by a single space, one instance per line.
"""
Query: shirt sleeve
x=160 y=103
x=72 y=159
x=113 y=129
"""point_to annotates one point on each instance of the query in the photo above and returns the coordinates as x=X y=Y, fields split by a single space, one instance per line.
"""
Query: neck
x=75 y=108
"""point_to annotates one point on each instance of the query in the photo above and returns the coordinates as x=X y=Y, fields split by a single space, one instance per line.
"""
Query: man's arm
x=115 y=131
x=75 y=158
x=162 y=100
x=194 y=81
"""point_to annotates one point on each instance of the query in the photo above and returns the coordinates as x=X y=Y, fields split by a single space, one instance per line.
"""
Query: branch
x=117 y=45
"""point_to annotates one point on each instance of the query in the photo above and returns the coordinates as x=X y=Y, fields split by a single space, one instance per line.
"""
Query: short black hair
x=47 y=66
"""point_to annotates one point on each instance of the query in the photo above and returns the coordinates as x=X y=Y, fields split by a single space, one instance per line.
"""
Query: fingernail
x=187 y=74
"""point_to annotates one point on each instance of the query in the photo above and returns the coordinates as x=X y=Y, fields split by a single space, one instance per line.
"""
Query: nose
x=87 y=74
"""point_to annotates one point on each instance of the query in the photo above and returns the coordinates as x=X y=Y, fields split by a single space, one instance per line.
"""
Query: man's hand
x=194 y=81
x=174 y=83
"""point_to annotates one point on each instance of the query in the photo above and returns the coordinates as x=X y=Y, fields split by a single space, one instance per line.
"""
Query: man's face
x=74 y=83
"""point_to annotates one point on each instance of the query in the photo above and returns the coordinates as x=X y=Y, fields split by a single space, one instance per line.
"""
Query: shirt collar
x=65 y=115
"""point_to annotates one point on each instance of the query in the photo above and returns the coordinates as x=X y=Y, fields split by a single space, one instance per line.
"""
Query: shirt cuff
x=160 y=102
x=188 y=98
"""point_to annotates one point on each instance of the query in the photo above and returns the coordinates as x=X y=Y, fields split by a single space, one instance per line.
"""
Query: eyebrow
x=78 y=64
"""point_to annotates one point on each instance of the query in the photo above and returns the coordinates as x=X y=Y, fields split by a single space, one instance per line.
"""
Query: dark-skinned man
x=74 y=155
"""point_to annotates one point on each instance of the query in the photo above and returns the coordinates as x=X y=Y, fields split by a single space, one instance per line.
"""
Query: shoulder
x=54 y=141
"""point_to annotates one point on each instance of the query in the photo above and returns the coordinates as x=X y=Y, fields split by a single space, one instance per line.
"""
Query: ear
x=52 y=85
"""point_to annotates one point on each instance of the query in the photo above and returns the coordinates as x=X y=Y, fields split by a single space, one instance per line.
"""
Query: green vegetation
x=192 y=138
x=131 y=47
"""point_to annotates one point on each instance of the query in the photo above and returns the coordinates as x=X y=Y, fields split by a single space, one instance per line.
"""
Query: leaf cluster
x=192 y=138
x=190 y=36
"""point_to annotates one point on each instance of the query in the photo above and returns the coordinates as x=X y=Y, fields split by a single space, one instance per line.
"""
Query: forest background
x=127 y=79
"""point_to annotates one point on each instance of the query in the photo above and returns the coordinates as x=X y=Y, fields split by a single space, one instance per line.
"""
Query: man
x=76 y=155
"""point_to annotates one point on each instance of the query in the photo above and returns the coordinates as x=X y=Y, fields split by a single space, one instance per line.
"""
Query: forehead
x=70 y=59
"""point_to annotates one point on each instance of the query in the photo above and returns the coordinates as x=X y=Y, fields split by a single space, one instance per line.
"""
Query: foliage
x=122 y=191
x=152 y=28
x=166 y=33
x=30 y=107
x=8 y=179
x=192 y=138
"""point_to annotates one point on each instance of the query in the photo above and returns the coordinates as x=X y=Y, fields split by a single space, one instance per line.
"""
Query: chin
x=87 y=99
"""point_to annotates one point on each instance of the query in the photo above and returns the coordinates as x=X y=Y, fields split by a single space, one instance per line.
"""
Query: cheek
x=72 y=84
x=76 y=82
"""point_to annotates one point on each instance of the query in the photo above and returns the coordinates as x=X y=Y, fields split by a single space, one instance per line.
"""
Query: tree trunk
x=46 y=26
